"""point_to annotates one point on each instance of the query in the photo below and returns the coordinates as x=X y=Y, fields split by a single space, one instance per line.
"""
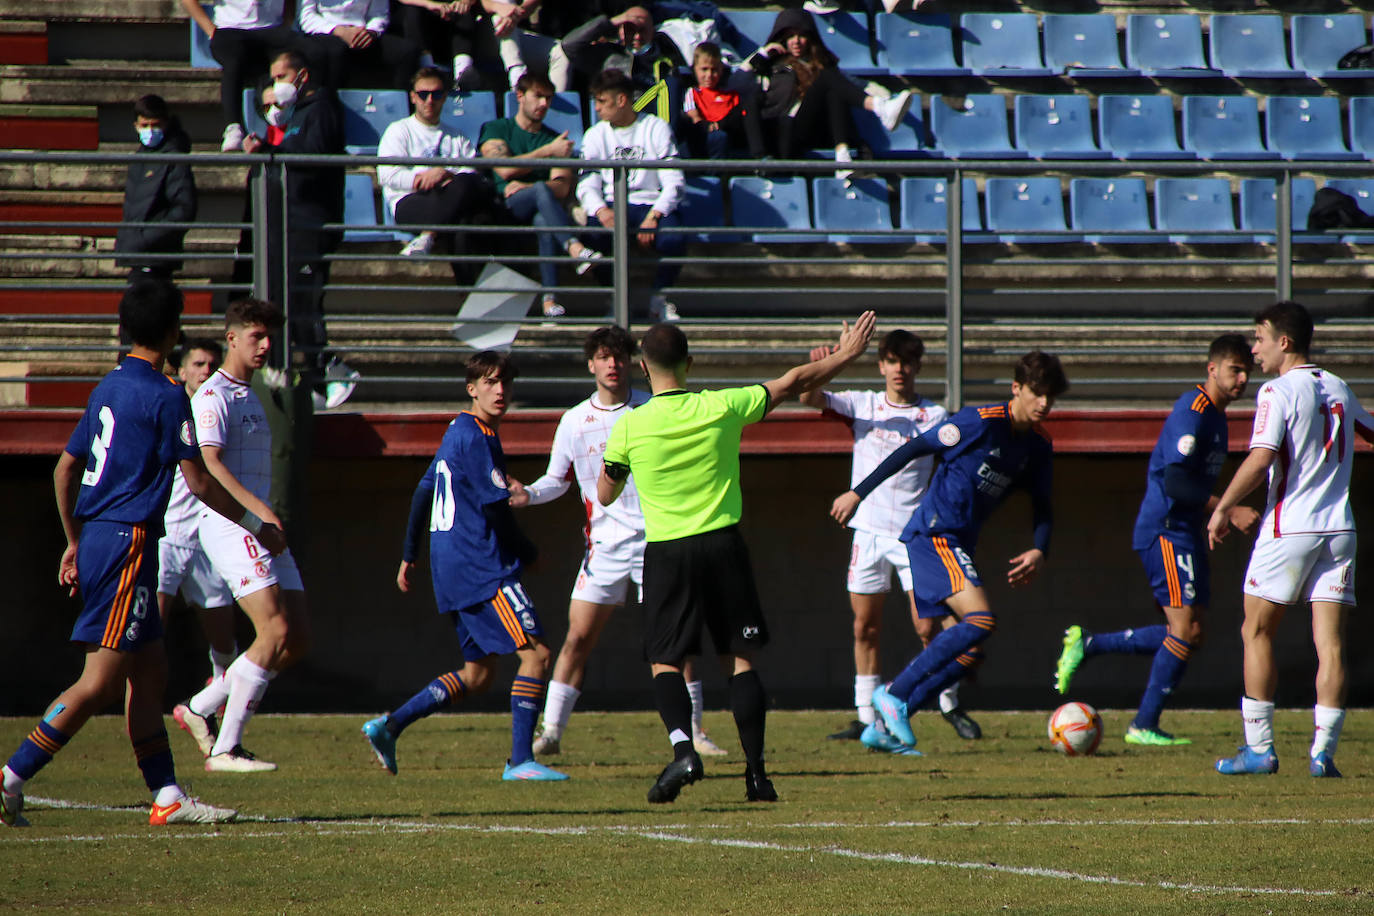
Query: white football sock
x=864 y=685
x=247 y=683
x=12 y=781
x=167 y=795
x=949 y=698
x=220 y=661
x=213 y=695
x=1259 y=723
x=1329 y=721
x=558 y=706
x=694 y=690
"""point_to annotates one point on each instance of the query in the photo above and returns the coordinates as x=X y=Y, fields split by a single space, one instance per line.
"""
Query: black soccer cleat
x=851 y=732
x=758 y=787
x=681 y=772
x=966 y=728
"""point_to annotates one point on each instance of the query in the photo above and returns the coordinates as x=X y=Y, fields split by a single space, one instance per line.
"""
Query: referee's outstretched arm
x=810 y=375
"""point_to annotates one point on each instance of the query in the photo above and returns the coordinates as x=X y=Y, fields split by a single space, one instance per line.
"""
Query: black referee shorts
x=704 y=580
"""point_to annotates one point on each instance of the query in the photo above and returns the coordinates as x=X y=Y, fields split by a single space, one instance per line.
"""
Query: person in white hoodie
x=623 y=134
x=343 y=34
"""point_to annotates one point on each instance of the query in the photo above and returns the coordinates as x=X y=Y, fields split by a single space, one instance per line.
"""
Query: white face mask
x=277 y=116
x=285 y=93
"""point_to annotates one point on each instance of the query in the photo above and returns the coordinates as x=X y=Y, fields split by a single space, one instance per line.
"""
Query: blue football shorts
x=503 y=624
x=1177 y=571
x=117 y=565
x=940 y=567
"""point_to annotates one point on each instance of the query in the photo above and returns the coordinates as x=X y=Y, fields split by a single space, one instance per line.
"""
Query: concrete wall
x=374 y=646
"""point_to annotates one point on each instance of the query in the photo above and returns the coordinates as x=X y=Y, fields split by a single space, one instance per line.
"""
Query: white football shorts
x=872 y=560
x=188 y=570
x=608 y=570
x=242 y=561
x=1303 y=567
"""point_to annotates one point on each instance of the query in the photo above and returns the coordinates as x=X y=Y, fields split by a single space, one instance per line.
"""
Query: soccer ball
x=1075 y=729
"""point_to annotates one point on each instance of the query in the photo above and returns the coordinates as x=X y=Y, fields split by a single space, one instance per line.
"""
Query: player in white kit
x=1303 y=440
x=181 y=564
x=614 y=557
x=881 y=421
x=236 y=444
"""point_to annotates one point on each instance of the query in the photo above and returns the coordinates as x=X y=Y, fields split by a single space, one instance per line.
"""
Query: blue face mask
x=150 y=136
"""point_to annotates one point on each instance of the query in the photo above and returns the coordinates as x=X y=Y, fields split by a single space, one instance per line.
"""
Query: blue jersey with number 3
x=136 y=428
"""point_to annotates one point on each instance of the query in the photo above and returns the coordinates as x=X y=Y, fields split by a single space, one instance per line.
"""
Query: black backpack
x=1332 y=209
x=1362 y=58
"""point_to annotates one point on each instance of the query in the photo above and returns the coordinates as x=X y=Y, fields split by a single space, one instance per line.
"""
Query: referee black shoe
x=851 y=732
x=681 y=772
x=758 y=787
x=963 y=725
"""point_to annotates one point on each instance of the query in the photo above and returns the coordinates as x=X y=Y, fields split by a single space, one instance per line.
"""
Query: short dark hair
x=1230 y=346
x=490 y=362
x=248 y=311
x=612 y=337
x=664 y=345
x=532 y=79
x=293 y=59
x=208 y=344
x=152 y=106
x=429 y=73
x=149 y=311
x=1289 y=319
x=613 y=81
x=902 y=346
x=1042 y=372
x=707 y=49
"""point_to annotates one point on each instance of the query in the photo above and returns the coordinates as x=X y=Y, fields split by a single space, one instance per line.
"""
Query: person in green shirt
x=683 y=448
x=531 y=193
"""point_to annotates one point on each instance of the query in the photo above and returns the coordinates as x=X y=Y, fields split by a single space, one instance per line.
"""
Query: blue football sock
x=154 y=756
x=37 y=750
x=929 y=688
x=1170 y=662
x=1144 y=641
x=443 y=691
x=526 y=699
x=944 y=648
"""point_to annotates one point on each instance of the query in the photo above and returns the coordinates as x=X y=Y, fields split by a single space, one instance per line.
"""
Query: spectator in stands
x=531 y=193
x=476 y=35
x=155 y=193
x=713 y=114
x=622 y=134
x=806 y=99
x=626 y=42
x=244 y=36
x=345 y=33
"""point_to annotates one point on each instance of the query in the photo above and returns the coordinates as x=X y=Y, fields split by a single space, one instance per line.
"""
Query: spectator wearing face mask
x=155 y=193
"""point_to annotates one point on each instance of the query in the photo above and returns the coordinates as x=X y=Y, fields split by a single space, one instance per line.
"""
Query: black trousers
x=398 y=57
x=246 y=55
x=466 y=200
x=823 y=118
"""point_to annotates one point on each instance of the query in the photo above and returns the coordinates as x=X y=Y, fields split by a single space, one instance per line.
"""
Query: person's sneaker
x=463 y=67
x=274 y=378
x=892 y=110
x=758 y=787
x=203 y=728
x=189 y=811
x=232 y=142
x=876 y=740
x=544 y=746
x=1154 y=737
x=821 y=7
x=1248 y=761
x=681 y=772
x=895 y=715
x=382 y=741
x=532 y=770
x=704 y=746
x=1323 y=765
x=660 y=309
x=843 y=157
x=12 y=809
x=237 y=760
x=340 y=381
x=1070 y=658
x=421 y=244
x=552 y=309
x=964 y=726
x=852 y=732
x=586 y=259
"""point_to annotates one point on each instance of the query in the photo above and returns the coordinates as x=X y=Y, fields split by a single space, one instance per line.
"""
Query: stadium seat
x=911 y=139
x=252 y=115
x=1223 y=127
x=465 y=113
x=1083 y=45
x=1138 y=127
x=847 y=38
x=1320 y=41
x=200 y=45
x=1259 y=211
x=565 y=113
x=1166 y=46
x=1002 y=44
x=1362 y=189
x=925 y=210
x=975 y=130
x=1196 y=211
x=753 y=26
x=703 y=205
x=1056 y=127
x=1362 y=125
x=1103 y=207
x=1306 y=128
x=771 y=203
x=912 y=44
x=1250 y=45
x=360 y=209
x=367 y=112
x=853 y=211
x=1022 y=210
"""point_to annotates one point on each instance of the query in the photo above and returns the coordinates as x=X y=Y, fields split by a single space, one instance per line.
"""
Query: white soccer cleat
x=545 y=746
x=203 y=728
x=237 y=761
x=706 y=747
x=190 y=810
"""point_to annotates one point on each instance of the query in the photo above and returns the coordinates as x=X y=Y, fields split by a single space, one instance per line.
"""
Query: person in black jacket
x=155 y=193
x=626 y=42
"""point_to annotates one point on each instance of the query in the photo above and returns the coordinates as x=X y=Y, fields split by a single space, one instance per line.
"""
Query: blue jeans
x=538 y=204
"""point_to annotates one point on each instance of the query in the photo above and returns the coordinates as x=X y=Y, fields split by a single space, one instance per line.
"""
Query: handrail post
x=1283 y=243
x=954 y=293
x=284 y=237
x=620 y=246
x=258 y=190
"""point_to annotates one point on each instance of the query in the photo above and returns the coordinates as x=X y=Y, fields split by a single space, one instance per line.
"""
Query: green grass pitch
x=998 y=825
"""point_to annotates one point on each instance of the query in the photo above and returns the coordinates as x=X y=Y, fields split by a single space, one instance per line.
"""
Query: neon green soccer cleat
x=1070 y=658
x=1154 y=737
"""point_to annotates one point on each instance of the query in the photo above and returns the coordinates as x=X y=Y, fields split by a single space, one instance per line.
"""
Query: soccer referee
x=683 y=448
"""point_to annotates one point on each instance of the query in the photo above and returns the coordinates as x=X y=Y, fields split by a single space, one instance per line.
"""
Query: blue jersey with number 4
x=136 y=428
x=1193 y=441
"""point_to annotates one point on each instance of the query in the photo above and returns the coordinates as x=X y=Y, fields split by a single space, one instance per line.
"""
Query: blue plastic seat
x=703 y=206
x=924 y=210
x=976 y=130
x=360 y=209
x=1106 y=208
x=252 y=115
x=1168 y=46
x=853 y=211
x=1138 y=127
x=1056 y=127
x=753 y=26
x=1362 y=189
x=1362 y=125
x=847 y=38
x=200 y=45
x=1002 y=44
x=1024 y=210
x=1223 y=127
x=771 y=203
x=465 y=113
x=1320 y=41
x=917 y=44
x=367 y=113
x=1197 y=211
x=1259 y=208
x=565 y=113
x=1306 y=128
x=911 y=139
x=1083 y=45
x=1250 y=45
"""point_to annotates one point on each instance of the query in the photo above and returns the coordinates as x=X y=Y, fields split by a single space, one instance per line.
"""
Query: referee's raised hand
x=854 y=340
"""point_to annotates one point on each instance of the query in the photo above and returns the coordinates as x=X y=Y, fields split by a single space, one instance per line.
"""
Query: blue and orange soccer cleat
x=895 y=716
x=382 y=741
x=1324 y=766
x=534 y=771
x=1247 y=761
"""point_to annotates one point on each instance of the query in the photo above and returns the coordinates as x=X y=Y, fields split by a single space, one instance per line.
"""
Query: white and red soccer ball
x=1075 y=729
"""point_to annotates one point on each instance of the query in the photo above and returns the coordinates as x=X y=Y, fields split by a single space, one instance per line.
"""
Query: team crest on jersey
x=207 y=418
x=497 y=478
x=186 y=432
x=1186 y=444
x=949 y=435
x=260 y=569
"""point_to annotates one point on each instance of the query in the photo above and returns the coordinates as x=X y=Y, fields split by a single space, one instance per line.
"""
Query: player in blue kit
x=113 y=481
x=1170 y=536
x=476 y=552
x=981 y=453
